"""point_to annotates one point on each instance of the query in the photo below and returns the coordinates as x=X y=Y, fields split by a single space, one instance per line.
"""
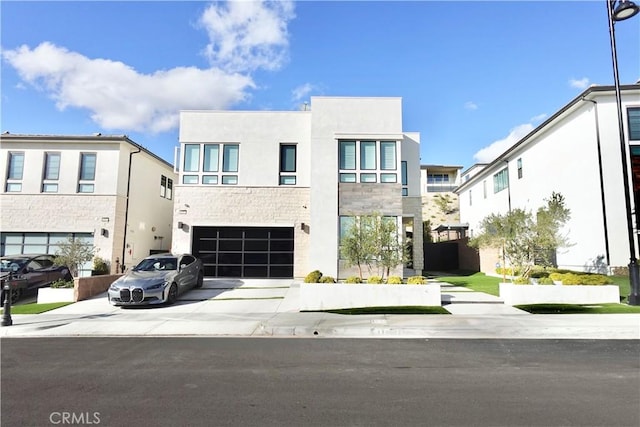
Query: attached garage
x=265 y=252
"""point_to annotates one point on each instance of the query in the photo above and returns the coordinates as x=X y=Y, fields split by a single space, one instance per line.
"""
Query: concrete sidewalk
x=264 y=308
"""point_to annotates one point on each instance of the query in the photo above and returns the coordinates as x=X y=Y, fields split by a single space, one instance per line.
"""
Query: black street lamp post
x=625 y=9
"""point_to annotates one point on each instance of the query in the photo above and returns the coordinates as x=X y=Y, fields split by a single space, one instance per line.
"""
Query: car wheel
x=173 y=294
x=200 y=280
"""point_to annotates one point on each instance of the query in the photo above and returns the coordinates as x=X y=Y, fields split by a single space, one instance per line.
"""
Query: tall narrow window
x=405 y=181
x=230 y=158
x=500 y=180
x=51 y=172
x=86 y=183
x=470 y=198
x=633 y=118
x=347 y=155
x=163 y=186
x=191 y=157
x=287 y=164
x=211 y=155
x=14 y=172
x=484 y=189
x=388 y=155
x=368 y=155
x=169 y=188
x=519 y=168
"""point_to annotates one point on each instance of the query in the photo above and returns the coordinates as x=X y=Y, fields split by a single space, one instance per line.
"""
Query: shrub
x=545 y=281
x=539 y=274
x=507 y=271
x=520 y=280
x=573 y=278
x=416 y=280
x=327 y=279
x=353 y=279
x=61 y=283
x=100 y=266
x=376 y=280
x=394 y=280
x=555 y=276
x=313 y=277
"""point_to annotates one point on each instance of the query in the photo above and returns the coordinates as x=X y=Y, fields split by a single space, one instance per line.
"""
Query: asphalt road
x=318 y=382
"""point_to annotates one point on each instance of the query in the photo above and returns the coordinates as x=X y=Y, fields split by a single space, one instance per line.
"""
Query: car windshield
x=157 y=264
x=8 y=264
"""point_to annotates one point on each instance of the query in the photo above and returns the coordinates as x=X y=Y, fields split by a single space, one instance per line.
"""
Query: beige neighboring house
x=269 y=193
x=440 y=205
x=105 y=190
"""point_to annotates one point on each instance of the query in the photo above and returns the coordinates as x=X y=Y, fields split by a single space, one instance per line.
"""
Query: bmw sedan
x=157 y=279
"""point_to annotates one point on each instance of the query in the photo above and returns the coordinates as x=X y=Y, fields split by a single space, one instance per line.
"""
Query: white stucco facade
x=44 y=197
x=575 y=153
x=259 y=193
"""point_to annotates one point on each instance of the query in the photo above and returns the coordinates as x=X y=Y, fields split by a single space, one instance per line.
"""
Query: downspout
x=604 y=207
x=126 y=209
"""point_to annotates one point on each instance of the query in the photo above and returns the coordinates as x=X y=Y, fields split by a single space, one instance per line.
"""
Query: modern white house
x=269 y=193
x=576 y=153
x=107 y=191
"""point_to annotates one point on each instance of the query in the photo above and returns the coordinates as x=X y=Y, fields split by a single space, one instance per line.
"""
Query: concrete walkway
x=263 y=308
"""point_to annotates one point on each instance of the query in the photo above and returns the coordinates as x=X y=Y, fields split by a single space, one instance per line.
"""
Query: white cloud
x=469 y=105
x=301 y=92
x=582 y=83
x=539 y=117
x=247 y=35
x=491 y=152
x=244 y=36
x=117 y=95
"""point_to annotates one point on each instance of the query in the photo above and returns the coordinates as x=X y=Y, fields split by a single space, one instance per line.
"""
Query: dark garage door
x=245 y=251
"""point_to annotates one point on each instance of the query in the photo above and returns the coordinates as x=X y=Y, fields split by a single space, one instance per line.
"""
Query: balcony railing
x=440 y=188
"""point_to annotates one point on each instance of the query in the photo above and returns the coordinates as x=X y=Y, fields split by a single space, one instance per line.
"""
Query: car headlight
x=114 y=287
x=157 y=286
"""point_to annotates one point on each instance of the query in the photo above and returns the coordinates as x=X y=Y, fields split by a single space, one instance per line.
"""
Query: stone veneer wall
x=245 y=206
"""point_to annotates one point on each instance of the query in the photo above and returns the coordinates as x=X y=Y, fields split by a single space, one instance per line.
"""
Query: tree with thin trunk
x=74 y=254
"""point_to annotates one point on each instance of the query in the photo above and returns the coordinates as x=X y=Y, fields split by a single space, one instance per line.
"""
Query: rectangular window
x=163 y=186
x=387 y=155
x=388 y=177
x=405 y=188
x=633 y=119
x=191 y=157
x=169 y=188
x=16 y=166
x=211 y=157
x=210 y=179
x=470 y=198
x=347 y=155
x=519 y=168
x=230 y=179
x=347 y=177
x=51 y=166
x=87 y=173
x=287 y=164
x=484 y=189
x=189 y=179
x=501 y=180
x=230 y=159
x=14 y=172
x=368 y=155
x=368 y=177
x=346 y=222
x=287 y=158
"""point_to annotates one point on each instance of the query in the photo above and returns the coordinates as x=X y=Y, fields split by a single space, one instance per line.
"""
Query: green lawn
x=482 y=283
x=34 y=308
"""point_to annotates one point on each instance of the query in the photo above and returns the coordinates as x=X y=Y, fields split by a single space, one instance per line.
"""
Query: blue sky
x=474 y=76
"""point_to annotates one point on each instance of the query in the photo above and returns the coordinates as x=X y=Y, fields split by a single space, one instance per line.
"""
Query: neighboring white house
x=88 y=187
x=268 y=193
x=576 y=153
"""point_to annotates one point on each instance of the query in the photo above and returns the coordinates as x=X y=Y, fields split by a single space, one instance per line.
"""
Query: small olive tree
x=73 y=254
x=372 y=240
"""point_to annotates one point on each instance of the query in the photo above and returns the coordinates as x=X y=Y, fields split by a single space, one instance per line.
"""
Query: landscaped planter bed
x=331 y=296
x=513 y=294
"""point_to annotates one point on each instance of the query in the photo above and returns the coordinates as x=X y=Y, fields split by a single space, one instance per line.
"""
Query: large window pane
x=16 y=165
x=211 y=154
x=388 y=155
x=500 y=180
x=367 y=155
x=52 y=166
x=230 y=158
x=191 y=157
x=87 y=166
x=287 y=158
x=346 y=222
x=347 y=155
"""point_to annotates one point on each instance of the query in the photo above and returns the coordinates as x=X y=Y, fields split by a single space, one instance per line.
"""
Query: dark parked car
x=157 y=279
x=30 y=272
